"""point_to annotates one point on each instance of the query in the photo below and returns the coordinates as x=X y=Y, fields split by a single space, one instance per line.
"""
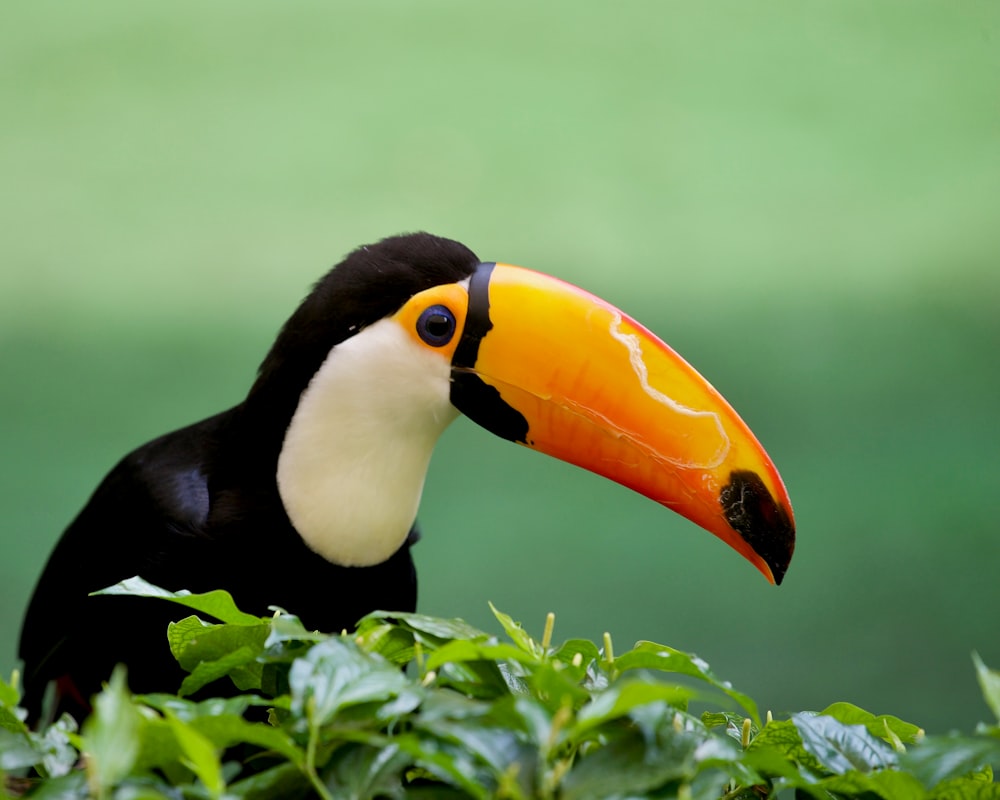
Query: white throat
x=352 y=466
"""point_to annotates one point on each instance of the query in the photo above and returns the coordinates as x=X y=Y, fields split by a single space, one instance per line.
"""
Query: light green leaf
x=240 y=663
x=421 y=623
x=335 y=674
x=111 y=735
x=649 y=655
x=10 y=720
x=17 y=750
x=989 y=682
x=10 y=695
x=59 y=755
x=193 y=641
x=851 y=714
x=623 y=697
x=218 y=603
x=517 y=633
x=200 y=755
x=460 y=650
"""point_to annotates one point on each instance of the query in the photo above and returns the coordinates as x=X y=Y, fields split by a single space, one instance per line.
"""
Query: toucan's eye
x=436 y=326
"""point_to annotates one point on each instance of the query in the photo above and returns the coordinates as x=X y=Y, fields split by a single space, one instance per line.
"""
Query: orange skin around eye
x=453 y=297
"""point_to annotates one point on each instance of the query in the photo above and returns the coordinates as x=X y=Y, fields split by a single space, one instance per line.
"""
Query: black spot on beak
x=760 y=521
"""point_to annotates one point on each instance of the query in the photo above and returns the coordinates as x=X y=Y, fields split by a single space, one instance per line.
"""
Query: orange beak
x=547 y=365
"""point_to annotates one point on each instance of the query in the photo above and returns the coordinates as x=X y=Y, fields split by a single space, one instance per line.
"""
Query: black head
x=373 y=282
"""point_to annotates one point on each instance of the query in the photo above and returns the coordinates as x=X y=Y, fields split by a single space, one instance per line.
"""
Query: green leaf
x=942 y=758
x=111 y=735
x=11 y=721
x=649 y=655
x=335 y=674
x=879 y=725
x=989 y=682
x=517 y=633
x=842 y=748
x=445 y=629
x=220 y=721
x=460 y=650
x=361 y=771
x=218 y=603
x=977 y=785
x=241 y=662
x=211 y=651
x=200 y=755
x=632 y=765
x=59 y=755
x=10 y=695
x=887 y=783
x=782 y=738
x=282 y=781
x=393 y=643
x=17 y=750
x=622 y=698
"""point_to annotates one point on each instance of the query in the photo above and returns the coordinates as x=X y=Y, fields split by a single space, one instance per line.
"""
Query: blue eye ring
x=436 y=326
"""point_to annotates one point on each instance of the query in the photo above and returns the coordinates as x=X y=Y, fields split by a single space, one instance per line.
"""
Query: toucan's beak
x=554 y=368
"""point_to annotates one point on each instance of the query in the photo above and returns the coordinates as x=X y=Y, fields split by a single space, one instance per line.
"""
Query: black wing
x=137 y=522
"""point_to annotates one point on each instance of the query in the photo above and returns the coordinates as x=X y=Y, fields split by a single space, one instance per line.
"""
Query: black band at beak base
x=479 y=401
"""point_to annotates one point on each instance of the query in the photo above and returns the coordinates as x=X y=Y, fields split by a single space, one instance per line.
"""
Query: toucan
x=305 y=494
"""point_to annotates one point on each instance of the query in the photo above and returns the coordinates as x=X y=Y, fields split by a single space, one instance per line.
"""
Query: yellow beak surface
x=558 y=370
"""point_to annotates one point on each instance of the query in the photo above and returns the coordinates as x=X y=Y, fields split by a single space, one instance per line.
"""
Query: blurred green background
x=802 y=198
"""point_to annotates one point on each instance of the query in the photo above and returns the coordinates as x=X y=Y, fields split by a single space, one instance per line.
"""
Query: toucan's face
x=542 y=363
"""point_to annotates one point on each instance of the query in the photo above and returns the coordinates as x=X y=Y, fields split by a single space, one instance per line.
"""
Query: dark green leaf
x=218 y=604
x=977 y=785
x=889 y=784
x=842 y=748
x=942 y=758
x=362 y=771
x=240 y=664
x=781 y=738
x=283 y=782
x=630 y=765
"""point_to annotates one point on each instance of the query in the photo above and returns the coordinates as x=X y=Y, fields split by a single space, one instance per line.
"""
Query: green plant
x=471 y=715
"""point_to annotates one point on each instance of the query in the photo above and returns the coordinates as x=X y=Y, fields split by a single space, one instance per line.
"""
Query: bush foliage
x=411 y=706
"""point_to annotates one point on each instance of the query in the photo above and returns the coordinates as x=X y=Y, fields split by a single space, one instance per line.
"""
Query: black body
x=199 y=508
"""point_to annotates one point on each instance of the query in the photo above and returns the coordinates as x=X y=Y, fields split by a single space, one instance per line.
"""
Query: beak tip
x=763 y=522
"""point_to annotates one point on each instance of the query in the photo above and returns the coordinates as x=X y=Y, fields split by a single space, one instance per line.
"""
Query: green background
x=802 y=198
